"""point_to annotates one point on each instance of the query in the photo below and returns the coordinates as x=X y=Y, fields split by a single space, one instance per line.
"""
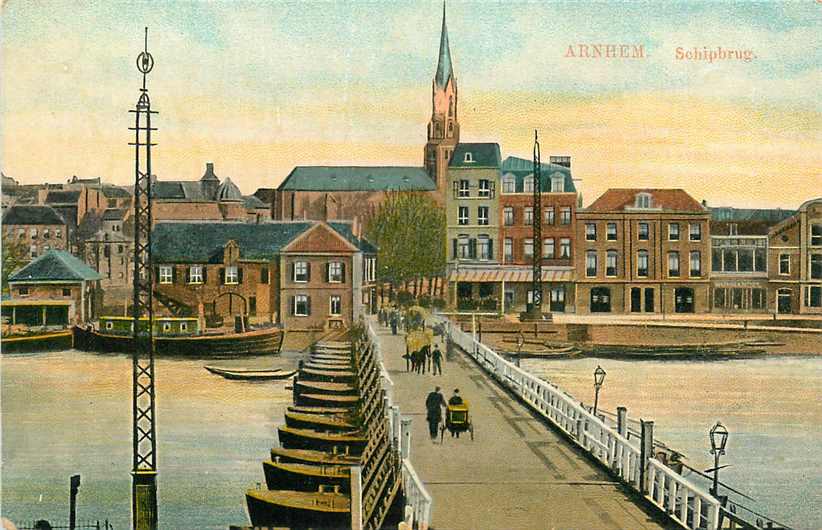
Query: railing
x=684 y=502
x=418 y=502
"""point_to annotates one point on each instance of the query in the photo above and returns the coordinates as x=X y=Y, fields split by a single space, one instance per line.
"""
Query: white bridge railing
x=418 y=502
x=683 y=501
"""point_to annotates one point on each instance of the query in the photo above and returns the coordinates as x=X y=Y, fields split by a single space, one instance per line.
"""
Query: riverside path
x=517 y=473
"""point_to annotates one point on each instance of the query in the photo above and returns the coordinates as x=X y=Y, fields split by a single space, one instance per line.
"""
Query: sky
x=258 y=88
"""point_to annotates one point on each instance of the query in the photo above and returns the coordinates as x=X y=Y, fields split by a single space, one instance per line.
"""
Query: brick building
x=298 y=274
x=41 y=228
x=56 y=289
x=795 y=262
x=643 y=251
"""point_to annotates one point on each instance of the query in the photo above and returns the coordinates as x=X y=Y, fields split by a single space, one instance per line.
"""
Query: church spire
x=444 y=70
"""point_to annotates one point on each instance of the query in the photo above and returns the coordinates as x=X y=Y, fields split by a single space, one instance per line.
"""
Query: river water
x=772 y=408
x=70 y=412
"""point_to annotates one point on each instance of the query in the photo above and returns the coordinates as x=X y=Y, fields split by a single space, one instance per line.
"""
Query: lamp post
x=599 y=377
x=719 y=437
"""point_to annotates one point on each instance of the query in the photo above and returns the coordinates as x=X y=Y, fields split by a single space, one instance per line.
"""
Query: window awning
x=500 y=275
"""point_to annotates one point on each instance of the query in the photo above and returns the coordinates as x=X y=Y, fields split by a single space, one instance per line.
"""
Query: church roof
x=357 y=178
x=55 y=265
x=444 y=68
x=476 y=155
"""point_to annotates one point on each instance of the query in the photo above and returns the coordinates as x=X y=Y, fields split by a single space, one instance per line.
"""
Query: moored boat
x=312 y=456
x=299 y=509
x=292 y=438
x=37 y=342
x=331 y=376
x=322 y=387
x=319 y=410
x=325 y=422
x=251 y=375
x=327 y=400
x=305 y=477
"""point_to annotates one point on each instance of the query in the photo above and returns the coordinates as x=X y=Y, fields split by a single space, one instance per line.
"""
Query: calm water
x=70 y=412
x=772 y=408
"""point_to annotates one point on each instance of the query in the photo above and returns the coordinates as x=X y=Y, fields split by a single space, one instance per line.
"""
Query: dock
x=518 y=473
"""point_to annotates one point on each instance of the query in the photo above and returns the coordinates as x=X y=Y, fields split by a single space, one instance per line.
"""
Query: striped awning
x=503 y=275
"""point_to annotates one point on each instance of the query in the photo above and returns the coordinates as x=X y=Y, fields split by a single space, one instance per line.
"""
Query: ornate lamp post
x=599 y=378
x=719 y=437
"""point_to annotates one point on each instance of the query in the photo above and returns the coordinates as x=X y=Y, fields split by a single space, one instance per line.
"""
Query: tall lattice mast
x=536 y=218
x=144 y=433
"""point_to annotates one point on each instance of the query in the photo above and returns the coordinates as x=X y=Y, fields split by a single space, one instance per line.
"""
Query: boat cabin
x=163 y=326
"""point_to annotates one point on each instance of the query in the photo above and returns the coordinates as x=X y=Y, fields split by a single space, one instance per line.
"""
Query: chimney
x=209 y=167
x=356 y=227
x=564 y=161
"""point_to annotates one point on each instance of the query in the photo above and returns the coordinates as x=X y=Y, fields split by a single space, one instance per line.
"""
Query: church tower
x=443 y=129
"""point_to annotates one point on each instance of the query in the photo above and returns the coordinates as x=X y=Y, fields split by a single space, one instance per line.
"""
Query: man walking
x=436 y=356
x=394 y=321
x=434 y=404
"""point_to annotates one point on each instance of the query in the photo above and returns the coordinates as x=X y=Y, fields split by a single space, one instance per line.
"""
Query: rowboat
x=305 y=477
x=314 y=457
x=299 y=509
x=250 y=374
x=331 y=376
x=37 y=342
x=325 y=422
x=293 y=438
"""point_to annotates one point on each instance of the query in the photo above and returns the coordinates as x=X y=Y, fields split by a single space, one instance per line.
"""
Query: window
x=611 y=263
x=642 y=232
x=482 y=215
x=557 y=183
x=528 y=184
x=120 y=249
x=66 y=292
x=528 y=247
x=183 y=326
x=21 y=233
x=33 y=251
x=696 y=263
x=643 y=200
x=642 y=263
x=509 y=249
x=784 y=264
x=816 y=235
x=33 y=233
x=23 y=291
x=548 y=247
x=264 y=275
x=463 y=247
x=195 y=274
x=463 y=215
x=166 y=327
x=590 y=232
x=733 y=229
x=232 y=275
x=611 y=232
x=166 y=274
x=565 y=248
x=816 y=266
x=673 y=264
x=565 y=215
x=335 y=305
x=528 y=218
x=695 y=232
x=301 y=271
x=335 y=272
x=469 y=157
x=464 y=190
x=372 y=271
x=509 y=184
x=485 y=188
x=109 y=325
x=58 y=234
x=300 y=306
x=758 y=299
x=548 y=215
x=591 y=263
x=484 y=247
x=106 y=251
x=46 y=234
x=508 y=215
x=673 y=231
x=813 y=296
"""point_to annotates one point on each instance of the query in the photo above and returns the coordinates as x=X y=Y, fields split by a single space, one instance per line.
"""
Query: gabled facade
x=643 y=251
x=40 y=228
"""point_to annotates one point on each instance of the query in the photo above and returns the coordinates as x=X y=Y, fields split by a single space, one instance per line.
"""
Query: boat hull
x=270 y=509
x=313 y=457
x=321 y=441
x=258 y=342
x=324 y=422
x=55 y=341
x=326 y=400
x=305 y=477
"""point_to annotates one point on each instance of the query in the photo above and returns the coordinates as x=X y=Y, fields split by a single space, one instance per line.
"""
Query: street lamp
x=599 y=377
x=719 y=437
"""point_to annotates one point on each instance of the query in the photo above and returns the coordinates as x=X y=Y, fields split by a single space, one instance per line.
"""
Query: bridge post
x=356 y=498
x=646 y=452
x=622 y=421
x=405 y=443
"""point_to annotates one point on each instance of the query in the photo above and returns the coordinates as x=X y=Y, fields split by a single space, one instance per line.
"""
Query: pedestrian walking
x=419 y=357
x=394 y=322
x=434 y=404
x=436 y=356
x=428 y=357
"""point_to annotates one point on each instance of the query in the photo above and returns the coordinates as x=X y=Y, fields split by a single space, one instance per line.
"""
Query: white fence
x=684 y=502
x=418 y=502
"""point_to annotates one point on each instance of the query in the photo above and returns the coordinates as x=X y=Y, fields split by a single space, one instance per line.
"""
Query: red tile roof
x=617 y=199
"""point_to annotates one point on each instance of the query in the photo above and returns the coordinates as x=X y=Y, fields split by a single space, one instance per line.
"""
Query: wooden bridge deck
x=517 y=473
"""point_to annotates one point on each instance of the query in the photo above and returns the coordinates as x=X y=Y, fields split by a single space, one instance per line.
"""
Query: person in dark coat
x=436 y=356
x=456 y=399
x=395 y=321
x=434 y=404
x=424 y=354
x=419 y=359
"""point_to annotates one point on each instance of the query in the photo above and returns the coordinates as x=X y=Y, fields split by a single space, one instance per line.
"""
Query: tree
x=15 y=255
x=409 y=230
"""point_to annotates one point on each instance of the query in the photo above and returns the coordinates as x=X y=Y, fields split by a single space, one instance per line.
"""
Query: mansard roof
x=55 y=265
x=521 y=168
x=32 y=215
x=484 y=155
x=357 y=178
